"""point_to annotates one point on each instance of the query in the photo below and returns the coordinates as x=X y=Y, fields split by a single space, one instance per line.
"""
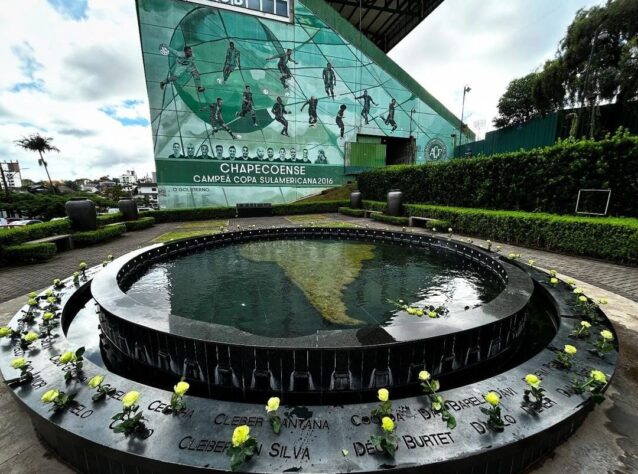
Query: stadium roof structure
x=385 y=22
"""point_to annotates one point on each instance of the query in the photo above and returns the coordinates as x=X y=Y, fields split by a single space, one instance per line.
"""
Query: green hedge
x=546 y=179
x=139 y=224
x=26 y=253
x=375 y=206
x=439 y=224
x=17 y=235
x=206 y=213
x=190 y=214
x=609 y=238
x=91 y=237
x=390 y=219
x=347 y=211
x=112 y=218
x=47 y=206
x=308 y=207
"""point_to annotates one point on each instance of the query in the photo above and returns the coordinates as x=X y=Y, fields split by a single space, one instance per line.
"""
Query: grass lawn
x=306 y=218
x=332 y=194
x=183 y=234
x=216 y=224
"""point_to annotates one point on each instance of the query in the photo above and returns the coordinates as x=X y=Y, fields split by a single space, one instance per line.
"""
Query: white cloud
x=85 y=66
x=486 y=44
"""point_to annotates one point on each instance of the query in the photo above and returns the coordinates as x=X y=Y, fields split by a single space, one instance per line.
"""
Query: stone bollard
x=355 y=200
x=395 y=198
x=81 y=213
x=128 y=209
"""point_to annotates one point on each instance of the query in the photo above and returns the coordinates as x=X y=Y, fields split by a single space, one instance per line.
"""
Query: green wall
x=190 y=171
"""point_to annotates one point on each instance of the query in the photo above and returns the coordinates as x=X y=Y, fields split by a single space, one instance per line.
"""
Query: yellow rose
x=56 y=282
x=181 y=388
x=67 y=357
x=240 y=435
x=424 y=376
x=578 y=291
x=432 y=314
x=32 y=302
x=48 y=316
x=33 y=294
x=553 y=273
x=530 y=261
x=607 y=335
x=387 y=424
x=30 y=336
x=492 y=398
x=383 y=394
x=130 y=399
x=76 y=274
x=570 y=282
x=411 y=310
x=571 y=350
x=582 y=299
x=273 y=404
x=598 y=376
x=419 y=312
x=50 y=396
x=553 y=281
x=96 y=381
x=602 y=301
x=5 y=331
x=52 y=300
x=18 y=362
x=585 y=324
x=532 y=380
x=82 y=265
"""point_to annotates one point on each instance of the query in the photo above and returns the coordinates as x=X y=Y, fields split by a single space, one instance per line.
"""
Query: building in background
x=146 y=194
x=12 y=175
x=128 y=181
x=274 y=101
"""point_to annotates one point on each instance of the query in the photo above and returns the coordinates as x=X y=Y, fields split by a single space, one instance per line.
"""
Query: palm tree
x=36 y=142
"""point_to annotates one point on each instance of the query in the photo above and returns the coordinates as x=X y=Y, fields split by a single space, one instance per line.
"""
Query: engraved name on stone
x=481 y=427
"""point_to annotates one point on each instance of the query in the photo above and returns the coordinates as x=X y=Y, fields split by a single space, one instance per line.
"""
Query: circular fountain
x=323 y=335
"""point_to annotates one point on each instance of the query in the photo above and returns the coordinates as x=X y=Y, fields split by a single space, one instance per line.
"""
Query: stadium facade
x=275 y=100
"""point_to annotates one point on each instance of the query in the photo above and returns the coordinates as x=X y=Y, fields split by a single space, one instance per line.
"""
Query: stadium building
x=275 y=100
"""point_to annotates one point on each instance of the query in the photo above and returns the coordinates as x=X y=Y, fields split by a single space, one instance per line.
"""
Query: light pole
x=466 y=89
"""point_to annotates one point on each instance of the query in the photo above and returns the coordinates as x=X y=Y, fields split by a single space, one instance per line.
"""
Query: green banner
x=247 y=173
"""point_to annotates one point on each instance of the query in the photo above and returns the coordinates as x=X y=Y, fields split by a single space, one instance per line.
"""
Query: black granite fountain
x=325 y=345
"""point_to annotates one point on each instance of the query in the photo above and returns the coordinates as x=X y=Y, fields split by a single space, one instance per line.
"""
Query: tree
x=549 y=88
x=37 y=142
x=517 y=104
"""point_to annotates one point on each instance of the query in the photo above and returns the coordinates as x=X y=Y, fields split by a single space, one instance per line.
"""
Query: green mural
x=247 y=108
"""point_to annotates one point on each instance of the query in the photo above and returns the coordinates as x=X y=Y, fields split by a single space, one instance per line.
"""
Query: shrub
x=439 y=224
x=25 y=253
x=17 y=235
x=546 y=179
x=347 y=211
x=141 y=223
x=393 y=220
x=375 y=206
x=190 y=214
x=603 y=237
x=91 y=237
x=47 y=206
x=112 y=218
x=307 y=207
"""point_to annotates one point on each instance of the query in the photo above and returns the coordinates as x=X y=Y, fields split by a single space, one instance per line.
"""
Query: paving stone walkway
x=606 y=443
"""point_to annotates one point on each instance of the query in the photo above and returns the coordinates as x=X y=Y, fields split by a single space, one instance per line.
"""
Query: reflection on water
x=290 y=288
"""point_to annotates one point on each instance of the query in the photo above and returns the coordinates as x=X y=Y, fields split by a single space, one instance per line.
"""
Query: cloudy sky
x=73 y=71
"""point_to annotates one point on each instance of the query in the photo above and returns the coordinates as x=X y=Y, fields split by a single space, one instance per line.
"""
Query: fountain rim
x=114 y=302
